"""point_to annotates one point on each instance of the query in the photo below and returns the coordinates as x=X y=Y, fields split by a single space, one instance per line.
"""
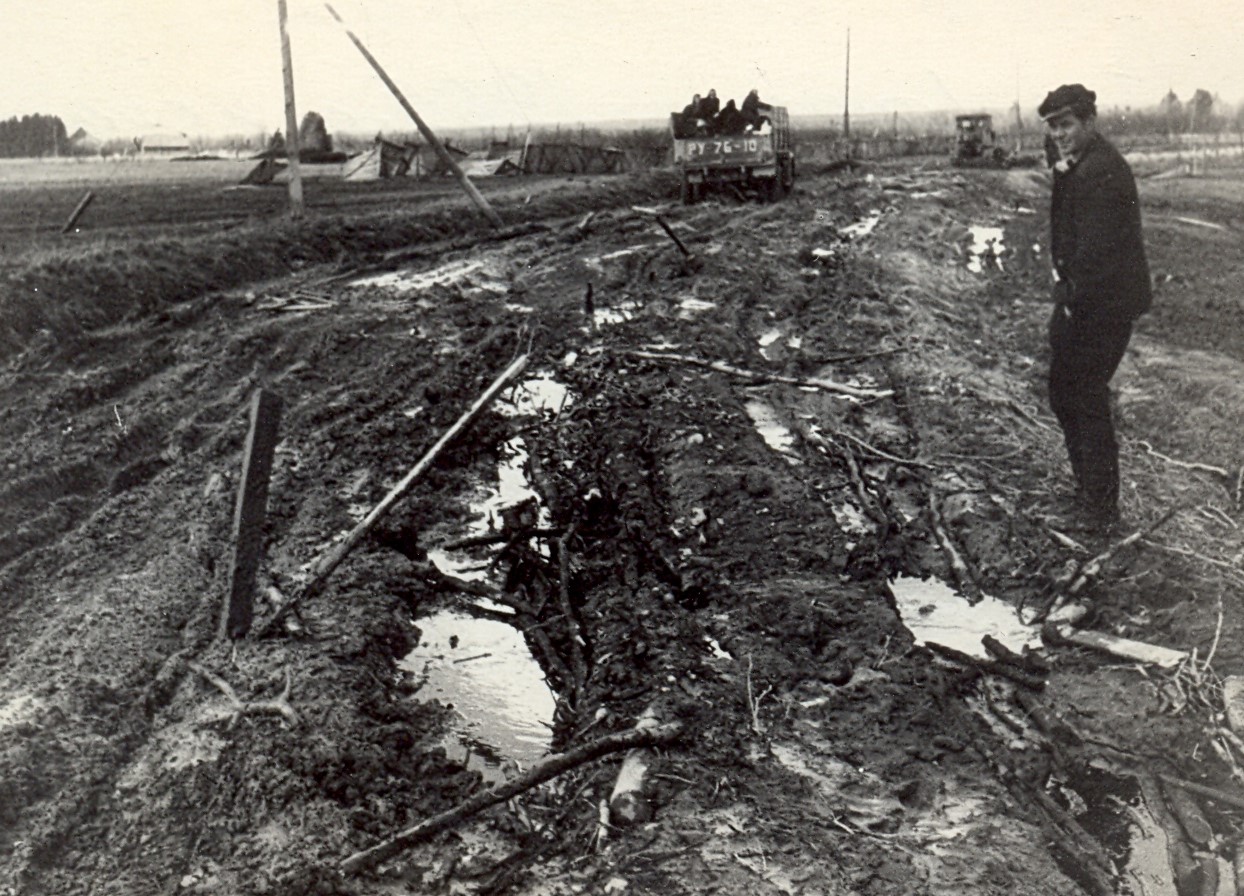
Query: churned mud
x=755 y=489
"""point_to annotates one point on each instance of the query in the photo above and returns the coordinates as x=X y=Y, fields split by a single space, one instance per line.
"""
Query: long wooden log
x=330 y=560
x=722 y=367
x=537 y=774
x=1210 y=793
x=443 y=154
x=1124 y=648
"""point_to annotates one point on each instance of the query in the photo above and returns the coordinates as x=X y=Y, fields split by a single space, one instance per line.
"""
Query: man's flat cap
x=1074 y=98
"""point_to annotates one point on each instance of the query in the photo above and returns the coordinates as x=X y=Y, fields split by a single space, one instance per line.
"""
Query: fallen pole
x=1123 y=648
x=86 y=200
x=469 y=188
x=670 y=233
x=722 y=367
x=537 y=774
x=329 y=561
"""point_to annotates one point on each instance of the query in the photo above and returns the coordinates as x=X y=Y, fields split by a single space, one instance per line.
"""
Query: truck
x=761 y=159
x=976 y=145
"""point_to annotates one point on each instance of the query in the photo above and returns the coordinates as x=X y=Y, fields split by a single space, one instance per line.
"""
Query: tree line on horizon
x=32 y=136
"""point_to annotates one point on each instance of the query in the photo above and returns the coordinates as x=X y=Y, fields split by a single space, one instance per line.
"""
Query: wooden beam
x=250 y=513
x=86 y=199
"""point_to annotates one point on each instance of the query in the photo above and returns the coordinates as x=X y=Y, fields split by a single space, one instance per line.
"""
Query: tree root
x=279 y=706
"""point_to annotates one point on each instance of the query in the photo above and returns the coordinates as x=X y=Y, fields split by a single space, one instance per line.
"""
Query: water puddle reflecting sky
x=484 y=670
x=933 y=611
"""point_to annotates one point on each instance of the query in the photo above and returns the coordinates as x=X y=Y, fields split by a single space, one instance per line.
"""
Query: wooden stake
x=537 y=774
x=86 y=199
x=469 y=188
x=250 y=512
x=329 y=561
x=291 y=118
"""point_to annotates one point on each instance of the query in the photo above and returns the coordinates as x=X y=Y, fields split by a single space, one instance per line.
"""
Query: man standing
x=1101 y=286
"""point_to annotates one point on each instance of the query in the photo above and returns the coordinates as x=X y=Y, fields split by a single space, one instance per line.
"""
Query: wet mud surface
x=751 y=490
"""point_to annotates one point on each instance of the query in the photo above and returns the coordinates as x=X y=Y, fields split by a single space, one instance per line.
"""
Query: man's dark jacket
x=1097 y=246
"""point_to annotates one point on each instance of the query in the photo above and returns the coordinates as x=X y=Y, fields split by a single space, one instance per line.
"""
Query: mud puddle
x=1112 y=809
x=775 y=433
x=1108 y=806
x=482 y=274
x=483 y=670
x=933 y=611
x=986 y=249
x=862 y=227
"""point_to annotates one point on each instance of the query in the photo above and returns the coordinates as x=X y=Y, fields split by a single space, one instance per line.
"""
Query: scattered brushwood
x=1021 y=677
x=543 y=771
x=1029 y=662
x=760 y=378
x=963 y=575
x=298 y=300
x=629 y=803
x=1189 y=872
x=1076 y=580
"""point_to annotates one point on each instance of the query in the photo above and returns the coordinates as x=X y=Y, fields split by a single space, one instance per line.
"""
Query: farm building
x=384 y=159
x=162 y=145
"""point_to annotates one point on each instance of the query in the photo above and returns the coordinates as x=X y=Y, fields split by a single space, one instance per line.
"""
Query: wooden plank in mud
x=251 y=511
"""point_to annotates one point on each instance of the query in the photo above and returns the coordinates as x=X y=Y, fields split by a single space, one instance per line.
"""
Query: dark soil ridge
x=74 y=293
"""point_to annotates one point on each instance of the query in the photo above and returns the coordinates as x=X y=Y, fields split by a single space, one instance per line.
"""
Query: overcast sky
x=121 y=68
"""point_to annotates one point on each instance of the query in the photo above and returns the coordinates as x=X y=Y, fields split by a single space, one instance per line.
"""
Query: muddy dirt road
x=745 y=493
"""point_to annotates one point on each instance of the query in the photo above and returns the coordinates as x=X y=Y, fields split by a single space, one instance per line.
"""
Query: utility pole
x=846 y=107
x=291 y=118
x=446 y=159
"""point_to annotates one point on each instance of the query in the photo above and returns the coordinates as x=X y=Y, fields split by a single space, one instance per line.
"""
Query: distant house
x=162 y=145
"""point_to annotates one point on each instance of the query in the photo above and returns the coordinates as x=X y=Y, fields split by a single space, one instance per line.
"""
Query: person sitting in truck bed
x=730 y=121
x=753 y=109
x=710 y=106
x=691 y=118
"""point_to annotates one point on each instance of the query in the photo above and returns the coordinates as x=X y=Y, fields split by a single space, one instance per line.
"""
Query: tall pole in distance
x=846 y=103
x=291 y=118
x=446 y=159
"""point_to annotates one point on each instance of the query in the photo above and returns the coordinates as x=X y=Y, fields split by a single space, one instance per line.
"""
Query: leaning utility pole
x=846 y=107
x=291 y=118
x=469 y=188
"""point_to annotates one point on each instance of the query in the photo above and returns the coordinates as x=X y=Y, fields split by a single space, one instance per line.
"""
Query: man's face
x=1070 y=133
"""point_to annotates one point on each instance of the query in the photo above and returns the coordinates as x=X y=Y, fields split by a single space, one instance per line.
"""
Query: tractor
x=976 y=145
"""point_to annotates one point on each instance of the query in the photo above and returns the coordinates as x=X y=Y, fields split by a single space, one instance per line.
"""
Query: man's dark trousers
x=1084 y=355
